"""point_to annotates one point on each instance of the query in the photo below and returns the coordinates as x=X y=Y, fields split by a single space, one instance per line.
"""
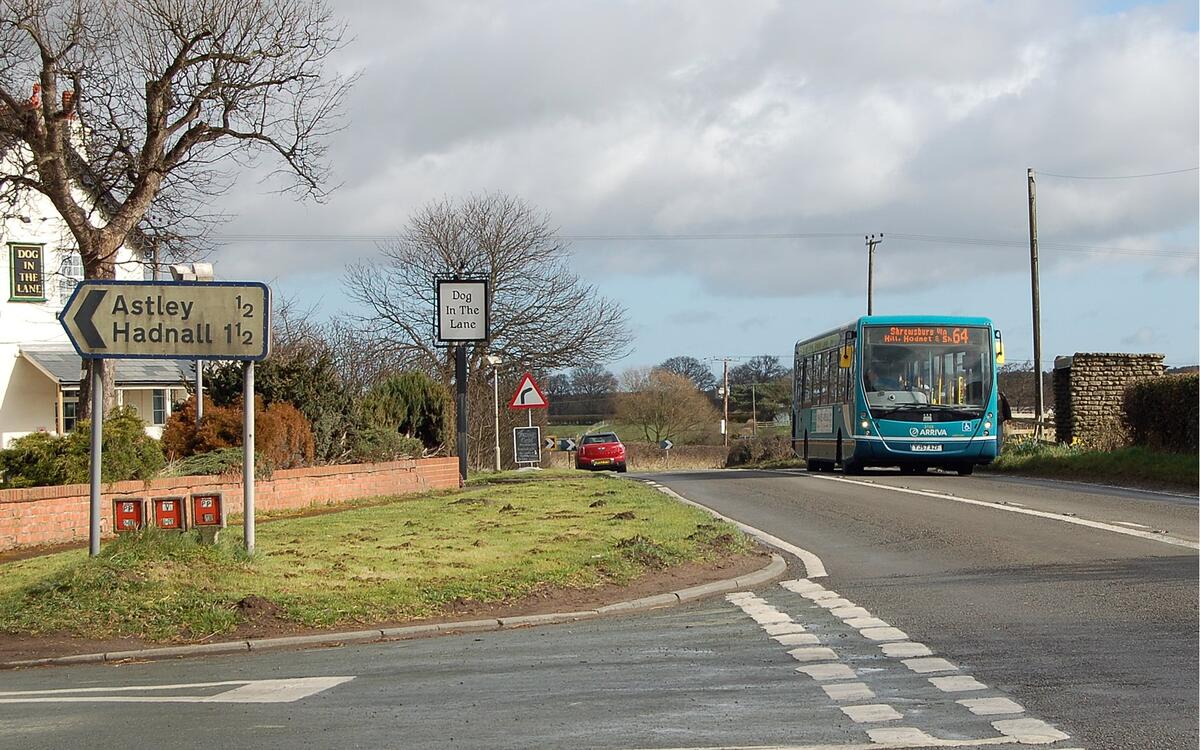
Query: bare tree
x=142 y=109
x=542 y=315
x=692 y=369
x=761 y=369
x=663 y=405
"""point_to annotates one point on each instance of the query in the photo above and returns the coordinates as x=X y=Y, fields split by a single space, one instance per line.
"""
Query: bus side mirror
x=846 y=357
x=999 y=349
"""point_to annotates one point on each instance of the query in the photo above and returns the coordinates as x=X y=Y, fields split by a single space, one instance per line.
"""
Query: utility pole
x=725 y=377
x=871 y=243
x=1037 y=306
x=753 y=410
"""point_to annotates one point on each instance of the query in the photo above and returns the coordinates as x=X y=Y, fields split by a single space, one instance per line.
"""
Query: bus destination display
x=928 y=335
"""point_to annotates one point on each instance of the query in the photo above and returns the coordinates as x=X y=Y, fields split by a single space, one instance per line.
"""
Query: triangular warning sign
x=528 y=395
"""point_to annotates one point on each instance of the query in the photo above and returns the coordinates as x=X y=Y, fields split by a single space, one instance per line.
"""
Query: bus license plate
x=926 y=448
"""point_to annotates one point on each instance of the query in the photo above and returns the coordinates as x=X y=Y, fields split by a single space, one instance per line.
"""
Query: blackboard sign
x=27 y=282
x=527 y=445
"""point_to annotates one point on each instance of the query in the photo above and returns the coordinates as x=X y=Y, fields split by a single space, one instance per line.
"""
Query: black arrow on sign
x=83 y=319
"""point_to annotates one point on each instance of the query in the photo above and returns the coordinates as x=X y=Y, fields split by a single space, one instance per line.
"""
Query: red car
x=602 y=450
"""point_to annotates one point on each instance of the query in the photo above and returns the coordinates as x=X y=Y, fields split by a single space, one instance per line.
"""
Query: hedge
x=1163 y=413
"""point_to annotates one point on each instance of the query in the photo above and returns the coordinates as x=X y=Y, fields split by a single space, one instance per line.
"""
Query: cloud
x=766 y=118
x=1141 y=338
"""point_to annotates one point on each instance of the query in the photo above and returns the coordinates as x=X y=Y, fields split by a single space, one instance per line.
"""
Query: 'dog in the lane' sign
x=462 y=310
x=27 y=279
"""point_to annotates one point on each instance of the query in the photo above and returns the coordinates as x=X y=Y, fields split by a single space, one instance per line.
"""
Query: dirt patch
x=263 y=616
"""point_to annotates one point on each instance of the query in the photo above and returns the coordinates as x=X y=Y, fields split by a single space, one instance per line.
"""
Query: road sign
x=567 y=444
x=108 y=319
x=528 y=395
x=666 y=445
x=527 y=445
x=550 y=443
x=462 y=310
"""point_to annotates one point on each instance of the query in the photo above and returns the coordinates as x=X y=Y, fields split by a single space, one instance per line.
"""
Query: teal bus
x=911 y=391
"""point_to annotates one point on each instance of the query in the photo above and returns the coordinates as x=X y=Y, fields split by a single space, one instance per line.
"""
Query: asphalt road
x=1049 y=630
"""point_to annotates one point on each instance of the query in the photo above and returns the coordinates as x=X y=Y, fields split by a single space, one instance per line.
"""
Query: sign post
x=463 y=316
x=201 y=320
x=529 y=397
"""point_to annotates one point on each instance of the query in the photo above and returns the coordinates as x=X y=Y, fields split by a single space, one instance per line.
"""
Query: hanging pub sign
x=27 y=279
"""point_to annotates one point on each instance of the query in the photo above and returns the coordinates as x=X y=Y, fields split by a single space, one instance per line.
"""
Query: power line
x=991 y=242
x=1117 y=177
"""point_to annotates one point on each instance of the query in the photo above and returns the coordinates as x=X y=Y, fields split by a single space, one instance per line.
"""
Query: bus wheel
x=966 y=471
x=852 y=467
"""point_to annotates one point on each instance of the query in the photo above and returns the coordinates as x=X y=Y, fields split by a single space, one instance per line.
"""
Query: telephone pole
x=871 y=243
x=725 y=422
x=1037 y=311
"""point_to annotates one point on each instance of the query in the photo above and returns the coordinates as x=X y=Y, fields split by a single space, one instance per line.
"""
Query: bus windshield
x=912 y=369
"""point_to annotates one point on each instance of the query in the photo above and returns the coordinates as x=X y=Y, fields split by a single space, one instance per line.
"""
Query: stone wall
x=1089 y=393
x=55 y=515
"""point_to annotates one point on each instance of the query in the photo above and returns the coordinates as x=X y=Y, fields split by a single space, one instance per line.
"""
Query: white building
x=39 y=369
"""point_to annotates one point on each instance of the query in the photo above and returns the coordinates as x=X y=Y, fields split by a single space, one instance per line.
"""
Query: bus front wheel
x=852 y=467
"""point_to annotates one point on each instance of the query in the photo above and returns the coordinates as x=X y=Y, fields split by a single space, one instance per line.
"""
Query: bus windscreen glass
x=921 y=369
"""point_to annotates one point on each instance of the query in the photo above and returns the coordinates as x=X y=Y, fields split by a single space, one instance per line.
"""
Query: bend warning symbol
x=528 y=395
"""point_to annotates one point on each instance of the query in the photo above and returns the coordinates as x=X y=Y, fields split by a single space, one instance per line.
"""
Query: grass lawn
x=506 y=536
x=1126 y=465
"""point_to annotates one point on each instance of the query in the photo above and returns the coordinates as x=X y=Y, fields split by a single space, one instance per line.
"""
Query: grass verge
x=505 y=537
x=1139 y=466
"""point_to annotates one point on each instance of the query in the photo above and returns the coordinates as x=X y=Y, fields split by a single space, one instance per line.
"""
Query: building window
x=160 y=406
x=70 y=409
x=70 y=273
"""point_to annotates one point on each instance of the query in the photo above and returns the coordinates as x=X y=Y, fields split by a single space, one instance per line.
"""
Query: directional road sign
x=169 y=320
x=528 y=395
x=666 y=445
x=567 y=444
x=550 y=443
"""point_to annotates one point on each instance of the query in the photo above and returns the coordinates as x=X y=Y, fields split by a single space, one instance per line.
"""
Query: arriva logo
x=927 y=432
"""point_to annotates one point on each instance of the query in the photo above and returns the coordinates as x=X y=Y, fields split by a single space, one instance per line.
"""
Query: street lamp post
x=495 y=361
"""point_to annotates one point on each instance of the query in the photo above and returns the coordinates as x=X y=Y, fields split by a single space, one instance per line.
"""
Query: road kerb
x=776 y=568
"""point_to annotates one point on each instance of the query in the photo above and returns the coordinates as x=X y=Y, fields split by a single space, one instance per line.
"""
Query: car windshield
x=607 y=438
x=926 y=368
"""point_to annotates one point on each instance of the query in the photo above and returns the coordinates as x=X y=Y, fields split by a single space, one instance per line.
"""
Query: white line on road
x=247 y=691
x=813 y=567
x=1164 y=538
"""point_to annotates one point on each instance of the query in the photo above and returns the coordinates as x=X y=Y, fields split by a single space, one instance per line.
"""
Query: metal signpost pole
x=248 y=458
x=460 y=385
x=199 y=391
x=97 y=438
x=496 y=412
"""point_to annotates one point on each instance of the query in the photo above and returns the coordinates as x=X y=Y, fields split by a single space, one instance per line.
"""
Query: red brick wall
x=53 y=515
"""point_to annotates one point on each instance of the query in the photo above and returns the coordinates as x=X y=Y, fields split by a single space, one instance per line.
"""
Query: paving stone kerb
x=772 y=571
x=56 y=515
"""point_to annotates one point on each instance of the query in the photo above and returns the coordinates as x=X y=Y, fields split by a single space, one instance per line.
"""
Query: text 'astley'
x=163 y=331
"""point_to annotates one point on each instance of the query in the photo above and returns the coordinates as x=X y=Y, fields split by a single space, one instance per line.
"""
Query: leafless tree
x=692 y=369
x=129 y=115
x=663 y=405
x=542 y=315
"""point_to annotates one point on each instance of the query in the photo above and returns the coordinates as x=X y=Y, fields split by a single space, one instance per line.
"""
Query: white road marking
x=811 y=653
x=872 y=713
x=928 y=664
x=846 y=613
x=822 y=672
x=813 y=567
x=884 y=634
x=902 y=736
x=800 y=585
x=769 y=618
x=991 y=706
x=1164 y=538
x=957 y=684
x=796 y=639
x=1029 y=731
x=858 y=623
x=835 y=603
x=905 y=649
x=817 y=596
x=1132 y=525
x=849 y=691
x=783 y=628
x=247 y=691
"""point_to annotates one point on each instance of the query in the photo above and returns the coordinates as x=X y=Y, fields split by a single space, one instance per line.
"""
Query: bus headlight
x=865 y=425
x=986 y=433
x=986 y=426
x=862 y=415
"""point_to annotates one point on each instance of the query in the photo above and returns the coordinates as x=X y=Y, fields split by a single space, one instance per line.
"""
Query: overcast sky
x=834 y=119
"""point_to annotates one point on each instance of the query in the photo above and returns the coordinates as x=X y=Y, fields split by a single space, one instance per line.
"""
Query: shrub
x=411 y=404
x=1163 y=413
x=375 y=444
x=216 y=463
x=759 y=449
x=41 y=459
x=282 y=435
